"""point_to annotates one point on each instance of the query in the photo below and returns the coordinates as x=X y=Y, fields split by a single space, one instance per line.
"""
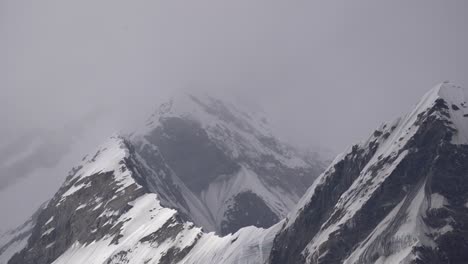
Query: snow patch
x=144 y=218
x=80 y=207
x=218 y=193
x=14 y=241
x=108 y=158
x=48 y=231
x=50 y=220
x=438 y=201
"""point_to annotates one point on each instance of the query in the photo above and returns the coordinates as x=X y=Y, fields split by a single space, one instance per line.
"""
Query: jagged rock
x=394 y=199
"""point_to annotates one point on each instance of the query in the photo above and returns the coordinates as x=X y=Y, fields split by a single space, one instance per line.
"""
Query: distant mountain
x=199 y=165
x=227 y=168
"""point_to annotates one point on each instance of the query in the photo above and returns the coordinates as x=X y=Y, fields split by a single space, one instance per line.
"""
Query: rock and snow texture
x=13 y=241
x=153 y=196
x=399 y=197
x=103 y=215
x=43 y=158
x=227 y=169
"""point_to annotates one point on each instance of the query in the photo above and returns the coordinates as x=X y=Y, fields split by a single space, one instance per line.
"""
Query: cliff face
x=400 y=197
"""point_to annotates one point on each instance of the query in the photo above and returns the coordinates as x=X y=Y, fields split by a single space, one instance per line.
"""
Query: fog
x=325 y=72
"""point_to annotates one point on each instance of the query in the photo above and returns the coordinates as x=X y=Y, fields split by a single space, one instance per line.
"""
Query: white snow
x=354 y=256
x=236 y=138
x=219 y=193
x=414 y=225
x=402 y=256
x=97 y=206
x=145 y=217
x=17 y=244
x=353 y=199
x=438 y=201
x=107 y=159
x=411 y=231
x=48 y=231
x=13 y=249
x=252 y=245
x=242 y=138
x=249 y=245
x=50 y=245
x=81 y=206
x=50 y=220
x=399 y=133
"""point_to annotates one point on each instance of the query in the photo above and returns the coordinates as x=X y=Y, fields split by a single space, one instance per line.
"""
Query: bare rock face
x=247 y=209
x=400 y=197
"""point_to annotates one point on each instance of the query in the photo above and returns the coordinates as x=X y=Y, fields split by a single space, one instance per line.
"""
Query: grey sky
x=327 y=72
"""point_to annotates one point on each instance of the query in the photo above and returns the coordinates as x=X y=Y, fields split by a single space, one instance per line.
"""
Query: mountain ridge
x=399 y=197
x=399 y=164
x=244 y=177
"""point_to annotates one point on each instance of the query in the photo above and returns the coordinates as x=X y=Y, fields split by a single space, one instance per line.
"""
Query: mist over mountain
x=345 y=65
x=207 y=132
x=206 y=182
x=200 y=160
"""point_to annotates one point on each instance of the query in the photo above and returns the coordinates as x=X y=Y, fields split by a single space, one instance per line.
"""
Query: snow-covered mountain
x=399 y=197
x=199 y=165
x=228 y=170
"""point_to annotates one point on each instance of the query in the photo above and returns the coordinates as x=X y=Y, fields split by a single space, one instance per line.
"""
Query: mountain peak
x=210 y=144
x=209 y=111
x=395 y=198
x=449 y=92
x=453 y=100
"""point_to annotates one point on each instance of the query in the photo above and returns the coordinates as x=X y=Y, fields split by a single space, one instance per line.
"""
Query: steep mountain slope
x=102 y=215
x=400 y=197
x=15 y=240
x=151 y=196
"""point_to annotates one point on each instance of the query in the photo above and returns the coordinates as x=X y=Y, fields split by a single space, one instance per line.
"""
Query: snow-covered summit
x=222 y=155
x=240 y=133
x=209 y=110
x=456 y=98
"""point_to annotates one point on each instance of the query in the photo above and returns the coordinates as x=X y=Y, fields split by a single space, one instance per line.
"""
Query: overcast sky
x=327 y=72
